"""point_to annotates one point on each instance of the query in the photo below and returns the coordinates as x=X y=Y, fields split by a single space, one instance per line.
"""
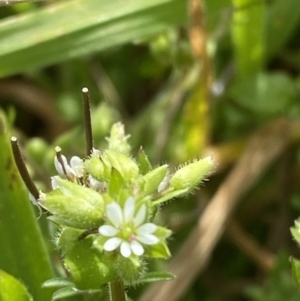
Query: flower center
x=128 y=232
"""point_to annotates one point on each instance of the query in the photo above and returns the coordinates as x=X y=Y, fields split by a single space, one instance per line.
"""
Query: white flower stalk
x=128 y=230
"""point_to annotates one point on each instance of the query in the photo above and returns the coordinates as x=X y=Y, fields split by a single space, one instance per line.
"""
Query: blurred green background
x=187 y=78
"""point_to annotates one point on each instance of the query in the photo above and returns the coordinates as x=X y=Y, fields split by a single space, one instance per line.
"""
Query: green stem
x=117 y=292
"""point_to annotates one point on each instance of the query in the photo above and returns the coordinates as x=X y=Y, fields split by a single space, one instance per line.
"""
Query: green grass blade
x=248 y=36
x=80 y=27
x=23 y=253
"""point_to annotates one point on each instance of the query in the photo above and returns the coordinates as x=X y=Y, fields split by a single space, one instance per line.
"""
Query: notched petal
x=112 y=244
x=114 y=214
x=125 y=249
x=147 y=239
x=107 y=230
x=140 y=216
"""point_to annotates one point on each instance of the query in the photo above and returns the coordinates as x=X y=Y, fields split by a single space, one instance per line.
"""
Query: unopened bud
x=192 y=174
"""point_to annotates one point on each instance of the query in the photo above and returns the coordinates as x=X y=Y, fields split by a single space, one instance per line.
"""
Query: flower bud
x=73 y=205
x=192 y=174
x=95 y=167
x=118 y=140
x=125 y=165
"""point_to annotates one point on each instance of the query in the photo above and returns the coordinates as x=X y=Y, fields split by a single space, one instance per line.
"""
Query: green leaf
x=67 y=292
x=264 y=93
x=154 y=276
x=58 y=282
x=12 y=289
x=23 y=252
x=75 y=28
x=282 y=19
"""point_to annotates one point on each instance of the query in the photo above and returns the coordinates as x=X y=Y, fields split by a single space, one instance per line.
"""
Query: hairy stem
x=117 y=292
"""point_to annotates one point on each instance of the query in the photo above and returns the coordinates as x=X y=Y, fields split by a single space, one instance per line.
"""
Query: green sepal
x=153 y=178
x=190 y=175
x=162 y=233
x=296 y=269
x=67 y=238
x=79 y=207
x=95 y=167
x=118 y=140
x=143 y=162
x=115 y=184
x=296 y=231
x=129 y=269
x=125 y=165
x=73 y=189
x=89 y=268
x=170 y=193
x=160 y=250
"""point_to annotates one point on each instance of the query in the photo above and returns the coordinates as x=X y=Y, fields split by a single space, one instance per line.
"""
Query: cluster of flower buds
x=106 y=203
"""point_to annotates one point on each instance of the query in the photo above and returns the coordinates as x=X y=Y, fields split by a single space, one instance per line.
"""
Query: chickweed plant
x=104 y=206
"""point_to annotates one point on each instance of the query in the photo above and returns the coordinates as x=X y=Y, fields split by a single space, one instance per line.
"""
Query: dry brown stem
x=263 y=258
x=35 y=100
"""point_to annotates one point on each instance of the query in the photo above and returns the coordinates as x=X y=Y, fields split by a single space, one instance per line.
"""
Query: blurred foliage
x=141 y=63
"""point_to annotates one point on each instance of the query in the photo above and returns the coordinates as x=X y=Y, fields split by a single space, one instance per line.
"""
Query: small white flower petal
x=129 y=209
x=112 y=243
x=107 y=230
x=147 y=239
x=54 y=183
x=96 y=185
x=137 y=248
x=77 y=166
x=125 y=249
x=164 y=183
x=59 y=167
x=140 y=216
x=114 y=214
x=147 y=228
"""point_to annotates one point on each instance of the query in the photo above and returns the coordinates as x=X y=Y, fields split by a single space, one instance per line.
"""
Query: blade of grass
x=248 y=36
x=80 y=27
x=23 y=253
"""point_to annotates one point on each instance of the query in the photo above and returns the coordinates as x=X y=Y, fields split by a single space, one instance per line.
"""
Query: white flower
x=75 y=169
x=127 y=230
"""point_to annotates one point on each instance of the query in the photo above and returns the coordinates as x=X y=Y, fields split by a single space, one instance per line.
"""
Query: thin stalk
x=22 y=168
x=87 y=121
x=117 y=292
